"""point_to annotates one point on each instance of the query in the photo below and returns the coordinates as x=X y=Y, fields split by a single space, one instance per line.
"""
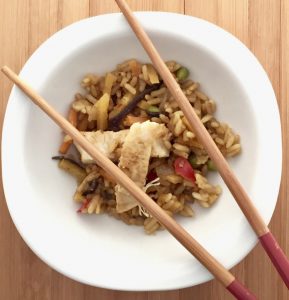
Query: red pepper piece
x=184 y=169
x=83 y=205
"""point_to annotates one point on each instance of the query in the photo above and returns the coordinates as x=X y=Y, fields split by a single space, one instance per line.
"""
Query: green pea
x=193 y=161
x=183 y=73
x=153 y=111
x=211 y=165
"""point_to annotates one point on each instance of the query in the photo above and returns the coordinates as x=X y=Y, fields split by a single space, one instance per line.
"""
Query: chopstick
x=219 y=271
x=266 y=238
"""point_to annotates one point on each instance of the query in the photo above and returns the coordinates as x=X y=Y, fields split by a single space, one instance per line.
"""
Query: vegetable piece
x=211 y=165
x=91 y=126
x=83 y=206
x=130 y=119
x=92 y=114
x=102 y=117
x=184 y=169
x=153 y=111
x=193 y=161
x=91 y=187
x=152 y=74
x=67 y=141
x=108 y=83
x=99 y=112
x=73 y=169
x=64 y=147
x=82 y=124
x=183 y=73
x=83 y=185
x=115 y=121
x=73 y=116
x=60 y=157
x=135 y=67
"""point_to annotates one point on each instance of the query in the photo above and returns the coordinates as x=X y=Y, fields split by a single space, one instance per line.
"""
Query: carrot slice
x=67 y=141
x=129 y=120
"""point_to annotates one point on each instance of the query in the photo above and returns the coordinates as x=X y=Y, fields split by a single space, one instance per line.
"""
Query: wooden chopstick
x=267 y=239
x=218 y=270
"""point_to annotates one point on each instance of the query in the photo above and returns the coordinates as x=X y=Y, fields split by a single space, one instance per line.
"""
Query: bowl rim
x=167 y=24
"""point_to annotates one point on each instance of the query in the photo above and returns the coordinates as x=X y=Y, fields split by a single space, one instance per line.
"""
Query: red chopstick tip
x=276 y=255
x=239 y=291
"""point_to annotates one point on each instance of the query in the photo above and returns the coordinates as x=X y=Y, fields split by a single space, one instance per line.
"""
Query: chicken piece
x=110 y=143
x=105 y=141
x=142 y=140
x=135 y=165
x=160 y=134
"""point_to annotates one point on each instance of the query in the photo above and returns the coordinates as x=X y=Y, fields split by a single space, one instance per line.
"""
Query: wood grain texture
x=262 y=25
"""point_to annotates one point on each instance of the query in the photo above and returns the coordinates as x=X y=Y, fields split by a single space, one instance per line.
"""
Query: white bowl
x=99 y=250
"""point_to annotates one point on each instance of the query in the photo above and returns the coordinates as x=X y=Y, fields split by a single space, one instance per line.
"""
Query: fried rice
x=131 y=117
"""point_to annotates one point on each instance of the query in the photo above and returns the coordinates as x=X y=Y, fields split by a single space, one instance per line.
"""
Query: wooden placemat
x=263 y=25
